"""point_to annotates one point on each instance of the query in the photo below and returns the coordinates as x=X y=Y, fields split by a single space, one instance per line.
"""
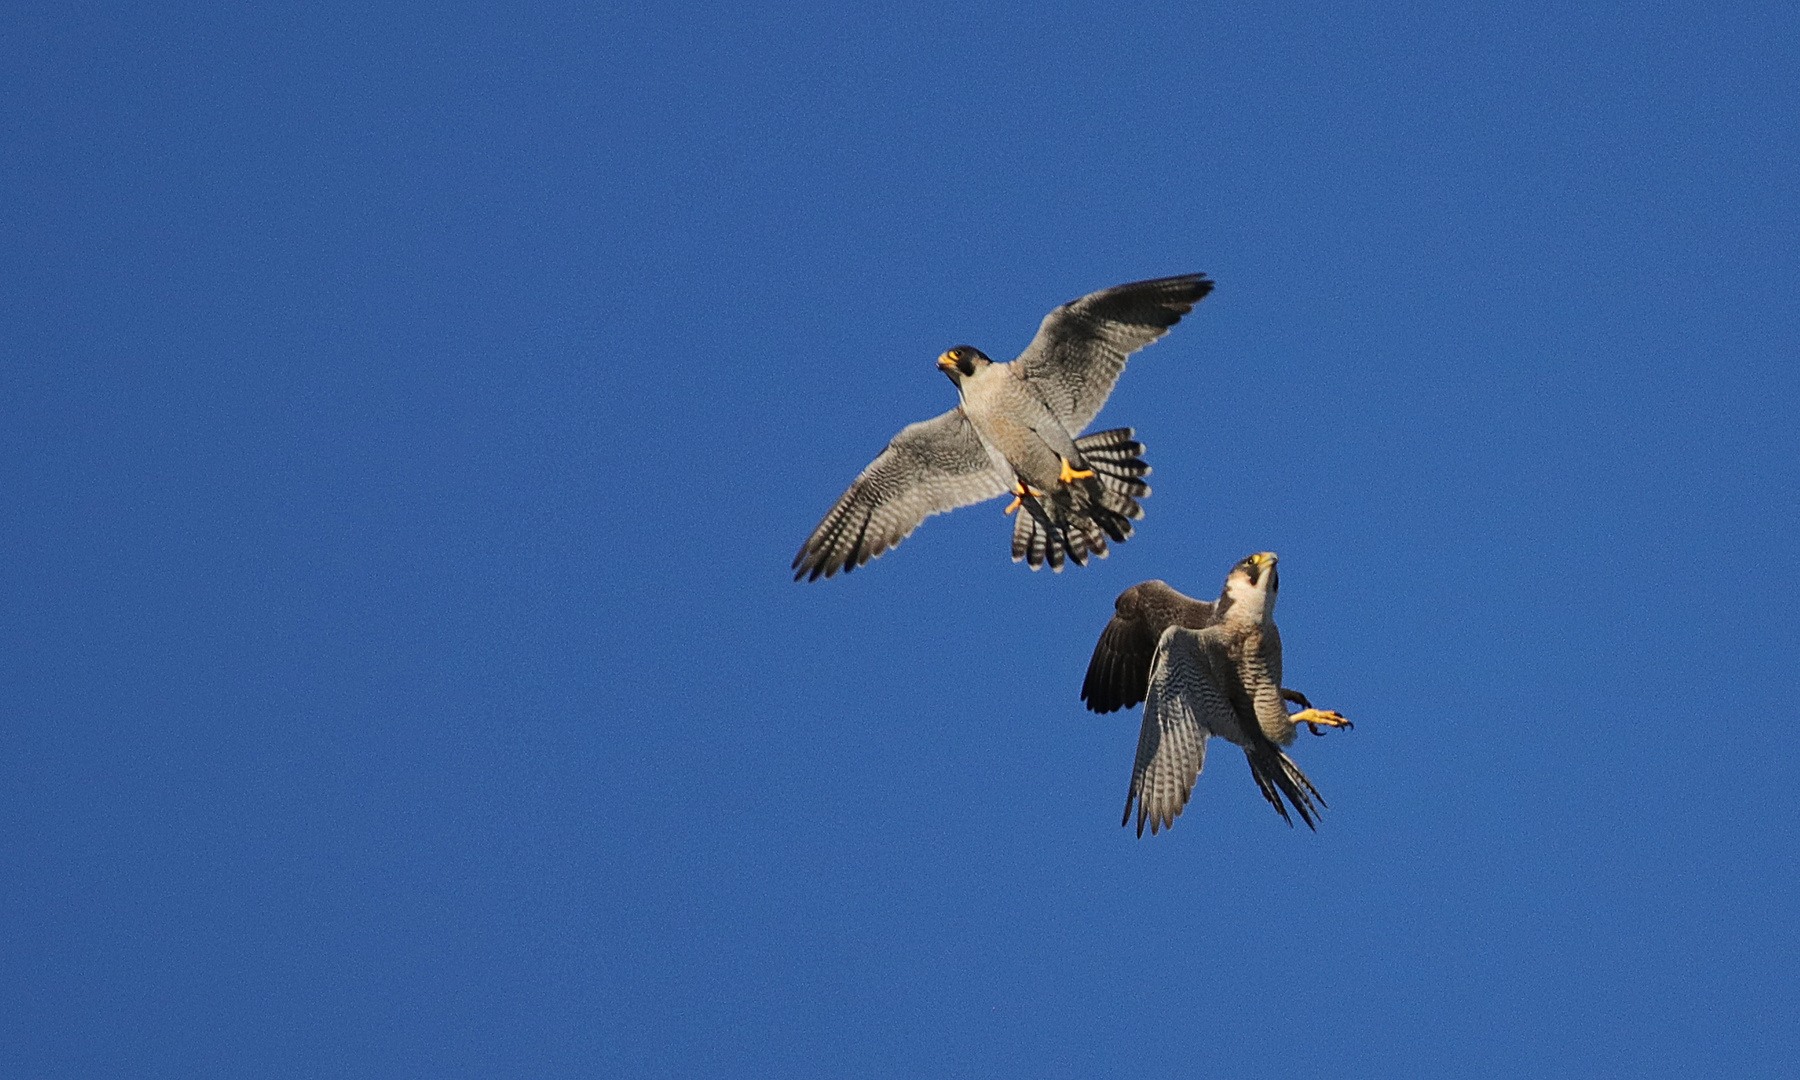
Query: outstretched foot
x=1069 y=472
x=1314 y=719
x=1019 y=492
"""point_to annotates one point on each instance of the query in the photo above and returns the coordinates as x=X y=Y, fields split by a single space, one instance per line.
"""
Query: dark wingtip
x=813 y=570
x=1096 y=696
x=1178 y=295
x=1198 y=289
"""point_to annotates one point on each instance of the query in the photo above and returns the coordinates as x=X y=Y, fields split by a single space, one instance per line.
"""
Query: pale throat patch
x=1249 y=603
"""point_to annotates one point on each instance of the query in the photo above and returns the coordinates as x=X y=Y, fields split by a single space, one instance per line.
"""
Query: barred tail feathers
x=1068 y=524
x=1075 y=521
x=1118 y=463
x=1032 y=533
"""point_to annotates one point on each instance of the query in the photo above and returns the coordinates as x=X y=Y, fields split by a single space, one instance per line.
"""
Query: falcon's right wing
x=931 y=467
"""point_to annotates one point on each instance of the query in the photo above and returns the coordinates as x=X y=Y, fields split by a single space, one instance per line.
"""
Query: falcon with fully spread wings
x=1015 y=432
x=1203 y=669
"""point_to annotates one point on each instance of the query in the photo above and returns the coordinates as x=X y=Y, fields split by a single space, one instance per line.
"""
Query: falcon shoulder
x=1081 y=347
x=931 y=467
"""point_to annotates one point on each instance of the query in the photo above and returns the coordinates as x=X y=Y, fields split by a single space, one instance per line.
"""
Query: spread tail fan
x=1078 y=520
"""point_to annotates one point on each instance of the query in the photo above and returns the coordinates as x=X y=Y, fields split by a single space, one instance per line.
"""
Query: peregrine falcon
x=1201 y=669
x=1014 y=432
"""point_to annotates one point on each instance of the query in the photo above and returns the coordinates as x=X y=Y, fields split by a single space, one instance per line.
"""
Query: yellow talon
x=1070 y=473
x=1019 y=492
x=1314 y=719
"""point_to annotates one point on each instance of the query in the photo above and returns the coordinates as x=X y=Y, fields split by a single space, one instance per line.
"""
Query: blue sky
x=407 y=418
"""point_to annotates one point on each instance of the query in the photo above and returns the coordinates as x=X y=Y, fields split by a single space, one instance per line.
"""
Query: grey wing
x=1183 y=706
x=930 y=467
x=1081 y=347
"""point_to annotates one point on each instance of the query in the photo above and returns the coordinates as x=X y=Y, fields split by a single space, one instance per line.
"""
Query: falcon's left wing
x=1182 y=707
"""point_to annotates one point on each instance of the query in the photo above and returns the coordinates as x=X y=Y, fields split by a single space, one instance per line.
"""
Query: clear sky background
x=407 y=417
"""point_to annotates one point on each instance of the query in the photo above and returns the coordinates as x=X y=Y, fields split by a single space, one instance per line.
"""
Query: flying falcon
x=1202 y=669
x=1015 y=433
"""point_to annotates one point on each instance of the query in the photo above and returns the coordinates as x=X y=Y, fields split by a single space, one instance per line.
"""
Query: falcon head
x=961 y=362
x=1250 y=589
